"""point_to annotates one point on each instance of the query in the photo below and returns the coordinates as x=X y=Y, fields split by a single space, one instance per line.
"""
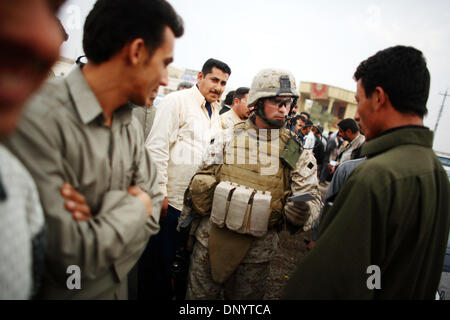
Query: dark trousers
x=154 y=279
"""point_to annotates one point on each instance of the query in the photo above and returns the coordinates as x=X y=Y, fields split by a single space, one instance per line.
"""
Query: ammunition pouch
x=241 y=209
x=201 y=189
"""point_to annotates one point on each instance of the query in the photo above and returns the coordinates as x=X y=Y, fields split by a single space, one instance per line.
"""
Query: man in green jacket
x=384 y=235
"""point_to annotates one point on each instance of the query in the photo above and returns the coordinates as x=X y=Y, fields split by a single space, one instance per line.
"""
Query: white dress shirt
x=180 y=134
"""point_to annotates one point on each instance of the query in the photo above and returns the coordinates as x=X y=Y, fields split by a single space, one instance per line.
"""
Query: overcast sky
x=319 y=41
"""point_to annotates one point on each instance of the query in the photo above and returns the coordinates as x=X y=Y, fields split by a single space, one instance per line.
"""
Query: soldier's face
x=30 y=38
x=213 y=84
x=276 y=109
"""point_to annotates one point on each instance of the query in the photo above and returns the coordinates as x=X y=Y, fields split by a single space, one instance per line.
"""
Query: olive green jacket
x=393 y=212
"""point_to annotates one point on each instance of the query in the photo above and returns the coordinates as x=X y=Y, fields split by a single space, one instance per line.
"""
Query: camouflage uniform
x=248 y=281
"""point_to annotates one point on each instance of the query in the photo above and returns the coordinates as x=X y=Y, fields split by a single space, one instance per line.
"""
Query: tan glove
x=297 y=213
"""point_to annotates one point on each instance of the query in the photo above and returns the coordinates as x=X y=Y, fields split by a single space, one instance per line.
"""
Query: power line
x=442 y=107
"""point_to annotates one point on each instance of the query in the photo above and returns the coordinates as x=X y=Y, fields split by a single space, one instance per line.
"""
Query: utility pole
x=442 y=107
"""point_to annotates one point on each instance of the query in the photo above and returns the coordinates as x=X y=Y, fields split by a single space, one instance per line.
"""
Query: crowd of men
x=104 y=196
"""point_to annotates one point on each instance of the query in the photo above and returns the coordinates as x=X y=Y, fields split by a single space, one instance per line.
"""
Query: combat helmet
x=271 y=83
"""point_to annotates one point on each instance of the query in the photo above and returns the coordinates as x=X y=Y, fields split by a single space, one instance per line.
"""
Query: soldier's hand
x=297 y=213
x=75 y=203
x=143 y=196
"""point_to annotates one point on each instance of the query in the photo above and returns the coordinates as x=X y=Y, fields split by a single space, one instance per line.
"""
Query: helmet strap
x=260 y=112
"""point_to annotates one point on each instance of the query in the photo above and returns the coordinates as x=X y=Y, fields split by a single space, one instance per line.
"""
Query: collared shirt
x=146 y=116
x=229 y=119
x=62 y=137
x=21 y=219
x=346 y=154
x=309 y=141
x=224 y=109
x=181 y=131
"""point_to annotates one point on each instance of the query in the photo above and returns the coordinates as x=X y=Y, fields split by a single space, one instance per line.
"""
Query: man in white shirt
x=184 y=125
x=239 y=111
x=302 y=127
x=349 y=131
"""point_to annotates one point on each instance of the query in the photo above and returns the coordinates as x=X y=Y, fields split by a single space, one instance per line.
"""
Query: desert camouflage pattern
x=248 y=282
x=267 y=83
x=304 y=179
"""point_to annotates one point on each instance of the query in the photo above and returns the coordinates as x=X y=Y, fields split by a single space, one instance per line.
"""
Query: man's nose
x=164 y=81
x=357 y=116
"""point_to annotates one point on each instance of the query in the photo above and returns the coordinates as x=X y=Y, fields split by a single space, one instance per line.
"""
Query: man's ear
x=348 y=132
x=200 y=76
x=137 y=52
x=380 y=96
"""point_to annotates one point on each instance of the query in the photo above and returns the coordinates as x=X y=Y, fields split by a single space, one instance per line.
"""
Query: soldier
x=240 y=195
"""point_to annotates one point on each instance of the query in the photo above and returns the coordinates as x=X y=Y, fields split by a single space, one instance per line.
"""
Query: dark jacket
x=318 y=150
x=393 y=212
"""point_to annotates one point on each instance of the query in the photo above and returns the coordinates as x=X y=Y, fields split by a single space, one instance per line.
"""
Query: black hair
x=308 y=123
x=305 y=113
x=229 y=98
x=112 y=24
x=210 y=63
x=402 y=73
x=349 y=123
x=300 y=117
x=184 y=84
x=241 y=92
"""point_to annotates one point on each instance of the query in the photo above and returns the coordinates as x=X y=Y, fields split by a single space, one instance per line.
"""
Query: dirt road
x=292 y=248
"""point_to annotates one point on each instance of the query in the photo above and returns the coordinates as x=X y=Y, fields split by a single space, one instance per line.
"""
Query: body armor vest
x=252 y=160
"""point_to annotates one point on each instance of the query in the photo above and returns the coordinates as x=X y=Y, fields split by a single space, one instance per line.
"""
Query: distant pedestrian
x=228 y=102
x=184 y=85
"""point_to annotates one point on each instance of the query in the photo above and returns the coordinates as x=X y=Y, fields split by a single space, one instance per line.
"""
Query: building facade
x=336 y=101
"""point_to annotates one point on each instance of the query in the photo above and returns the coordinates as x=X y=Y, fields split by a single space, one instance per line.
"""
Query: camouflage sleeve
x=214 y=152
x=304 y=179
